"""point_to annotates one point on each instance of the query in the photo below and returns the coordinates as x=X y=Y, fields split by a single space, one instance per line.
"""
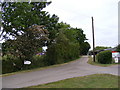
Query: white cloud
x=78 y=13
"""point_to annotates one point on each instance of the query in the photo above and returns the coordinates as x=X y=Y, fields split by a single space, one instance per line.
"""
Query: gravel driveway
x=73 y=69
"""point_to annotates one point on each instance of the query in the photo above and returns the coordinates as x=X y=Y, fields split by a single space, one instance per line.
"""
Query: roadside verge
x=36 y=69
x=90 y=61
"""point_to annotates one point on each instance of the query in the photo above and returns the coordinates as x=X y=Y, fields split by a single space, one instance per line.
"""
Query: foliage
x=7 y=47
x=10 y=64
x=17 y=17
x=38 y=61
x=90 y=61
x=75 y=35
x=20 y=21
x=67 y=45
x=101 y=47
x=118 y=48
x=28 y=44
x=57 y=50
x=105 y=57
x=84 y=48
x=30 y=28
x=62 y=50
x=98 y=49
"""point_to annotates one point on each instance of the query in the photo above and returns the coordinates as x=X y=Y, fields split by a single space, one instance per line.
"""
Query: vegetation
x=84 y=48
x=101 y=47
x=67 y=45
x=98 y=49
x=27 y=28
x=104 y=57
x=90 y=81
x=118 y=48
x=90 y=61
x=34 y=68
x=11 y=63
x=62 y=51
x=17 y=17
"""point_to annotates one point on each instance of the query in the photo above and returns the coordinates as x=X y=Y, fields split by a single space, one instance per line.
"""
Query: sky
x=78 y=14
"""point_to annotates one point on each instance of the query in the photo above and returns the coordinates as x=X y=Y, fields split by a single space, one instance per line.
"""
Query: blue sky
x=78 y=13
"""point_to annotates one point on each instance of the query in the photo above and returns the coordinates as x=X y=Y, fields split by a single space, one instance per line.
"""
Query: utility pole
x=93 y=39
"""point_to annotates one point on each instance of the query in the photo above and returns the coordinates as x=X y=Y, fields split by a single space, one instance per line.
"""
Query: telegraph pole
x=93 y=39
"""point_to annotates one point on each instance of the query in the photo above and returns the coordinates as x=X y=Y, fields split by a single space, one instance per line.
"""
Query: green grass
x=90 y=81
x=90 y=61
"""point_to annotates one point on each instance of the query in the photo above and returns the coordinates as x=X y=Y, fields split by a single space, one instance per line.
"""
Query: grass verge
x=90 y=81
x=90 y=61
x=41 y=68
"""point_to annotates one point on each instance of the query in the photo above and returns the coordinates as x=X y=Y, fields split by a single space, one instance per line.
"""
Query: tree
x=27 y=45
x=72 y=33
x=17 y=17
x=84 y=48
x=68 y=44
x=62 y=50
x=101 y=47
x=7 y=47
x=118 y=48
x=75 y=35
x=57 y=49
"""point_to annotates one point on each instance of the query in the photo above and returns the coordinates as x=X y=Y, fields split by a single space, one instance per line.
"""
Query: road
x=73 y=69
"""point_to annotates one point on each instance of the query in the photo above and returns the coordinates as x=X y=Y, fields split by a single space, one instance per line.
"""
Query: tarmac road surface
x=76 y=68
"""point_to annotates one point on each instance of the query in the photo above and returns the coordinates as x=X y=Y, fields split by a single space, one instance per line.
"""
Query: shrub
x=60 y=53
x=118 y=48
x=54 y=54
x=10 y=64
x=72 y=51
x=38 y=61
x=104 y=57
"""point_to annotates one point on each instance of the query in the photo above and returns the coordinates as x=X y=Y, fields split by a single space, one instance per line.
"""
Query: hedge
x=11 y=63
x=59 y=53
x=104 y=57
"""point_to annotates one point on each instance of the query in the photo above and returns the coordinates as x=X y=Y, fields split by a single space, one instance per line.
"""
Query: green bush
x=62 y=50
x=38 y=61
x=72 y=51
x=10 y=64
x=54 y=55
x=104 y=57
x=60 y=53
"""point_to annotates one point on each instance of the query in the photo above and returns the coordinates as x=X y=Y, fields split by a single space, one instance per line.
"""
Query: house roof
x=112 y=49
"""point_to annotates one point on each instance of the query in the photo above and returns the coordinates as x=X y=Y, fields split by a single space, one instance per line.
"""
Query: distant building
x=116 y=56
